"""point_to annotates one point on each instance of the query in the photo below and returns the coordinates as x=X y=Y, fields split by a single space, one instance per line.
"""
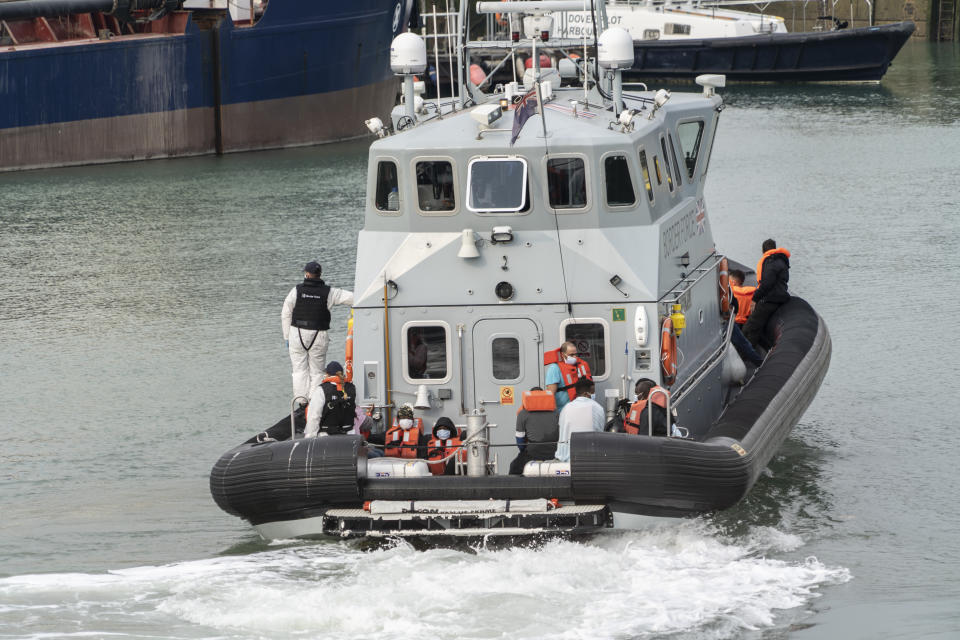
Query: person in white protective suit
x=305 y=320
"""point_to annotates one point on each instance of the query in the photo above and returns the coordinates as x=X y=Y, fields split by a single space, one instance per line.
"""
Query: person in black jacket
x=773 y=274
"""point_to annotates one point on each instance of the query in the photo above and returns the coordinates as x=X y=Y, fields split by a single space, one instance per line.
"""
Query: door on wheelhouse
x=507 y=360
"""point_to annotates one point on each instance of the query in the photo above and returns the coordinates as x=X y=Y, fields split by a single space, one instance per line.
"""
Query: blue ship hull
x=307 y=72
x=846 y=55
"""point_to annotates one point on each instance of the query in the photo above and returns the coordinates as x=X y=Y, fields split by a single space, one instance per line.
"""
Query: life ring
x=723 y=279
x=668 y=353
x=348 y=355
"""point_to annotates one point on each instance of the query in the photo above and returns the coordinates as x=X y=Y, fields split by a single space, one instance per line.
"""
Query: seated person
x=332 y=408
x=444 y=442
x=583 y=413
x=537 y=429
x=403 y=438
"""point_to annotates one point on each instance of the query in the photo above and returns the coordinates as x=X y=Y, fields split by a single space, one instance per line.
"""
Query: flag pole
x=536 y=66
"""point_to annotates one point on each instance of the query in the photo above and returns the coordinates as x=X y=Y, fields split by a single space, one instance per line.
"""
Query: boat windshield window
x=690 y=134
x=666 y=163
x=497 y=185
x=591 y=345
x=619 y=185
x=567 y=183
x=675 y=29
x=646 y=175
x=656 y=167
x=435 y=189
x=388 y=194
x=506 y=358
x=426 y=352
x=673 y=156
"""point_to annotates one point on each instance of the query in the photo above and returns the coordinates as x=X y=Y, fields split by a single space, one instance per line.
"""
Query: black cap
x=312 y=267
x=333 y=368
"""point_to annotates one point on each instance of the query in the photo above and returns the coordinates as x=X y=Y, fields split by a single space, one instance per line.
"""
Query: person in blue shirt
x=563 y=374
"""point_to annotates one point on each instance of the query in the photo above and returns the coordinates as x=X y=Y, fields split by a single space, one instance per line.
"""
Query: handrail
x=293 y=408
x=650 y=395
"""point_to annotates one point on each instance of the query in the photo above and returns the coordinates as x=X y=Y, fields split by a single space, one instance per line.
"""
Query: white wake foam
x=683 y=578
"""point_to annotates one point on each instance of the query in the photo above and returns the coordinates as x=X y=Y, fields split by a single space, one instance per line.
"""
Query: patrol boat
x=479 y=256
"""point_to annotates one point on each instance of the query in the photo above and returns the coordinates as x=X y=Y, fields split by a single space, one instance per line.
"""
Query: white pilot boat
x=591 y=227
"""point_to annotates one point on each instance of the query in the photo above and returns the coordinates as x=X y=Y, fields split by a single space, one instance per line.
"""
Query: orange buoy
x=544 y=62
x=668 y=353
x=723 y=279
x=477 y=74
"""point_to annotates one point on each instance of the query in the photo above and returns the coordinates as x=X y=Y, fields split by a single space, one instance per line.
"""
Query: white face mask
x=570 y=360
x=443 y=434
x=405 y=423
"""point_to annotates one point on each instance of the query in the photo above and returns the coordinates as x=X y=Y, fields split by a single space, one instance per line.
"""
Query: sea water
x=140 y=339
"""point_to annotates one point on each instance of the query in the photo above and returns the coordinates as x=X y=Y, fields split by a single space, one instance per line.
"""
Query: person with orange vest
x=333 y=404
x=773 y=274
x=742 y=303
x=564 y=368
x=742 y=296
x=638 y=418
x=403 y=438
x=444 y=442
x=537 y=428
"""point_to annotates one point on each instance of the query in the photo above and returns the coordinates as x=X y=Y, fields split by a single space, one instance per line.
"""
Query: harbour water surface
x=140 y=304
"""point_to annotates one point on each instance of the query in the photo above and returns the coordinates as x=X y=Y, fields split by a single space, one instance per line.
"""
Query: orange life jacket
x=400 y=443
x=439 y=449
x=744 y=296
x=538 y=401
x=632 y=422
x=765 y=256
x=569 y=373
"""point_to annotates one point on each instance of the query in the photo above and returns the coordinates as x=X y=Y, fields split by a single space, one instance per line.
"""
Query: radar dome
x=615 y=49
x=408 y=54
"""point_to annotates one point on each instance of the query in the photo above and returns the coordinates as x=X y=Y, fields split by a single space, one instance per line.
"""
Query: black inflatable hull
x=306 y=478
x=848 y=55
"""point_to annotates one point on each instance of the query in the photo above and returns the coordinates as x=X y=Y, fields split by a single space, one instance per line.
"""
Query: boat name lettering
x=679 y=232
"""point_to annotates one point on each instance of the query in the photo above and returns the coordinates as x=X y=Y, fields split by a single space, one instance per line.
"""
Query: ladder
x=945 y=20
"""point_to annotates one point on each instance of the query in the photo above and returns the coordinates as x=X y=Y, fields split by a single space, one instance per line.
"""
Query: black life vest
x=310 y=309
x=339 y=406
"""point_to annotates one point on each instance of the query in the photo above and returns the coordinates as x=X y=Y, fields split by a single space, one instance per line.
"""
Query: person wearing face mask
x=444 y=442
x=564 y=368
x=403 y=438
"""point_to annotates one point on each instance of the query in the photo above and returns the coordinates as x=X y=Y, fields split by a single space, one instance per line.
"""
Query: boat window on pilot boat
x=505 y=355
x=567 y=183
x=656 y=168
x=691 y=135
x=387 y=198
x=673 y=156
x=646 y=175
x=666 y=163
x=591 y=341
x=427 y=353
x=616 y=173
x=497 y=185
x=435 y=186
x=675 y=29
x=651 y=34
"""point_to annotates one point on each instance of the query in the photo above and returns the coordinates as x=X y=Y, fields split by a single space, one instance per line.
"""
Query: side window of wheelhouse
x=673 y=156
x=666 y=163
x=616 y=172
x=590 y=339
x=505 y=356
x=435 y=188
x=388 y=187
x=427 y=356
x=691 y=136
x=656 y=169
x=567 y=183
x=645 y=169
